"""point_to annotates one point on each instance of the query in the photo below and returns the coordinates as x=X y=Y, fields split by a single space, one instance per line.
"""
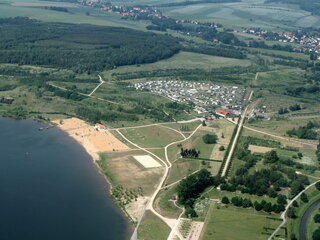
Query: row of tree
x=258 y=206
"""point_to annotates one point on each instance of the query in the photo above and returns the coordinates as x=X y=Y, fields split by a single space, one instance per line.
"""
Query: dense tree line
x=184 y=152
x=266 y=181
x=189 y=189
x=186 y=3
x=64 y=94
x=95 y=115
x=221 y=51
x=26 y=41
x=262 y=44
x=226 y=73
x=305 y=132
x=258 y=206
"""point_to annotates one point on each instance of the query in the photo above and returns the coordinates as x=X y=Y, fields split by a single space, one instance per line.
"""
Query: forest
x=26 y=41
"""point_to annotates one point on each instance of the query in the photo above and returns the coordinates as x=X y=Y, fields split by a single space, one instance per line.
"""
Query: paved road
x=283 y=215
x=304 y=220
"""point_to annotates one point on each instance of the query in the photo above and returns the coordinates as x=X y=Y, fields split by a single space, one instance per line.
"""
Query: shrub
x=210 y=138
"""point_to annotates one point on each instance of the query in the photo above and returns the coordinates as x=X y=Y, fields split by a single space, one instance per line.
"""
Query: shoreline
x=94 y=155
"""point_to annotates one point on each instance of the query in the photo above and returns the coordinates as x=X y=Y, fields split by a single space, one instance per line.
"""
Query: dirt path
x=95 y=89
x=234 y=143
x=280 y=137
x=86 y=95
x=172 y=223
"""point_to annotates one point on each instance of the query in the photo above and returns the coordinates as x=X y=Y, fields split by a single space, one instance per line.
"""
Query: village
x=205 y=97
x=308 y=42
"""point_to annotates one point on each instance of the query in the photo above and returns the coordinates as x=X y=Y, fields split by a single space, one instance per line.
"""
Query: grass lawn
x=311 y=225
x=163 y=204
x=122 y=169
x=151 y=137
x=182 y=60
x=234 y=223
x=293 y=224
x=182 y=168
x=152 y=227
x=183 y=127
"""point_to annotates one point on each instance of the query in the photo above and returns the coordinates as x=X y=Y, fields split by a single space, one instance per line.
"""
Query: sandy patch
x=92 y=140
x=137 y=208
x=147 y=161
x=194 y=229
x=39 y=4
x=259 y=149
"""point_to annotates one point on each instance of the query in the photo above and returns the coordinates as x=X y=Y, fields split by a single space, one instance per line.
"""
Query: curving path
x=172 y=223
x=304 y=220
x=283 y=215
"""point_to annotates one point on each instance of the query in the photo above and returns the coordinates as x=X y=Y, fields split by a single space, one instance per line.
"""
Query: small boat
x=40 y=129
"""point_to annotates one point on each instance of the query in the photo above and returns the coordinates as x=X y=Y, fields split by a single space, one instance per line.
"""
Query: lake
x=51 y=189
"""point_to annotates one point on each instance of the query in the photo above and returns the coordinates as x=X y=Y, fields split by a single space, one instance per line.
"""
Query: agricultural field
x=76 y=14
x=247 y=13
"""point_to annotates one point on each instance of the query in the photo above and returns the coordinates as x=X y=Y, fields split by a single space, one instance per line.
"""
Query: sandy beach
x=93 y=140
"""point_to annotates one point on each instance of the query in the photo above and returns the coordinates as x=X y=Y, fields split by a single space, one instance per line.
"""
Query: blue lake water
x=51 y=190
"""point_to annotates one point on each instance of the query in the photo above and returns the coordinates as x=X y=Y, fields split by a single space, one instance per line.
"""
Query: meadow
x=248 y=13
x=152 y=227
x=227 y=222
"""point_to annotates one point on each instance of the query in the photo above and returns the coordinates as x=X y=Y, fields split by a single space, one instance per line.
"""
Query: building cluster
x=205 y=97
x=307 y=42
x=126 y=11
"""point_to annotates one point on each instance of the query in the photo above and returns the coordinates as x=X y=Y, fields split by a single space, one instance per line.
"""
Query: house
x=223 y=113
x=7 y=100
x=99 y=126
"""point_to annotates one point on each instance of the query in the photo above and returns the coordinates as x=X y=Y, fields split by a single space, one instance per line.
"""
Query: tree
x=291 y=213
x=316 y=234
x=221 y=148
x=295 y=204
x=225 y=200
x=267 y=207
x=271 y=157
x=318 y=185
x=210 y=138
x=304 y=198
x=293 y=237
x=257 y=206
x=282 y=199
x=317 y=218
x=191 y=213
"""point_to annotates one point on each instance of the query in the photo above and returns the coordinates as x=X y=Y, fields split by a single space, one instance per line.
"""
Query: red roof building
x=100 y=126
x=222 y=113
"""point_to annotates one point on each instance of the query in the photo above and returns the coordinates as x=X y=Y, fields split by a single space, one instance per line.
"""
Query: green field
x=293 y=224
x=182 y=60
x=152 y=227
x=76 y=14
x=151 y=137
x=228 y=222
x=247 y=13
